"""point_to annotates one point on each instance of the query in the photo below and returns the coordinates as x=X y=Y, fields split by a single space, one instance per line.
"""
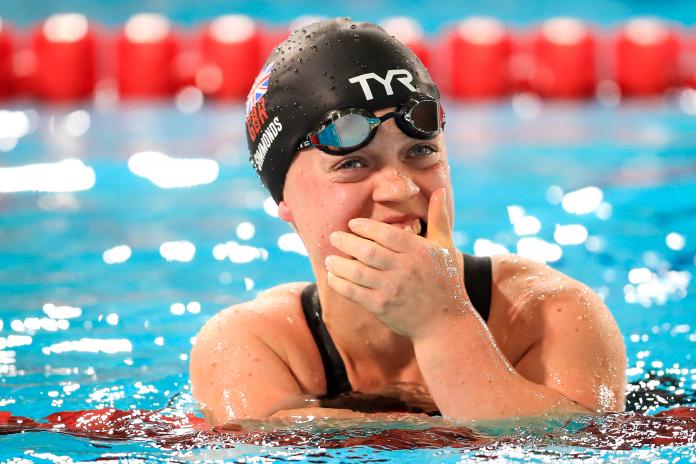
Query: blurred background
x=129 y=214
x=475 y=50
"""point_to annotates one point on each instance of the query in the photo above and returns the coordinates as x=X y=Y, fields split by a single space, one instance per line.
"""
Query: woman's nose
x=394 y=185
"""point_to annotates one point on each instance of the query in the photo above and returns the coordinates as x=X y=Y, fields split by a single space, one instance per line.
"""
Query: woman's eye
x=421 y=151
x=350 y=164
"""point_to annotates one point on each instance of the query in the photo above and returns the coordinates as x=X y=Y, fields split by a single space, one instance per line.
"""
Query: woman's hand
x=407 y=281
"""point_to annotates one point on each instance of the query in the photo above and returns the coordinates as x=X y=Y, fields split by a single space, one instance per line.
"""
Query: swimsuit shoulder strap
x=334 y=369
x=478 y=278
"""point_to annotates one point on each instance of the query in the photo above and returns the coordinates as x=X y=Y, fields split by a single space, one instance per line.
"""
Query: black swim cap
x=327 y=65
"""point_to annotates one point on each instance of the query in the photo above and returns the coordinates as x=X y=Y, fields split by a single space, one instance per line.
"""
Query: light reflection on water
x=103 y=289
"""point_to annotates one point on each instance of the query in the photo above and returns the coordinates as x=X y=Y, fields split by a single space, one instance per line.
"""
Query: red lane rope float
x=231 y=51
x=646 y=54
x=476 y=61
x=146 y=50
x=477 y=58
x=64 y=49
x=689 y=61
x=564 y=60
x=6 y=54
x=23 y=65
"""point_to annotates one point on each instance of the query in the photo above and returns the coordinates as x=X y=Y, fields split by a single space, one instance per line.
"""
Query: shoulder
x=556 y=331
x=521 y=279
x=251 y=356
x=531 y=302
x=273 y=322
x=275 y=309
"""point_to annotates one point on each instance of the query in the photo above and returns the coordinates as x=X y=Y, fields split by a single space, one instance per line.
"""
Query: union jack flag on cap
x=259 y=88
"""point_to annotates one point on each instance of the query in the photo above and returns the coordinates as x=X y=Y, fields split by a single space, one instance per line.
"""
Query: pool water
x=106 y=277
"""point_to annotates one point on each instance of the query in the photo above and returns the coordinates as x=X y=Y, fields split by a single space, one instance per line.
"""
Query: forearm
x=469 y=377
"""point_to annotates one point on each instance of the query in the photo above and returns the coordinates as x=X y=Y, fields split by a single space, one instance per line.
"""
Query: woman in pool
x=345 y=129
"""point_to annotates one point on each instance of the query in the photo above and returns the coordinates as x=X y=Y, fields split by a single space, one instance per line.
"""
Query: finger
x=350 y=290
x=387 y=235
x=365 y=251
x=353 y=271
x=439 y=229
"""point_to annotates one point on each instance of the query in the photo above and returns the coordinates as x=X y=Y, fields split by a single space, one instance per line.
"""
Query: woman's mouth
x=415 y=226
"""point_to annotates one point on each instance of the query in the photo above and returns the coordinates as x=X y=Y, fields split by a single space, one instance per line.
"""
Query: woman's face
x=390 y=180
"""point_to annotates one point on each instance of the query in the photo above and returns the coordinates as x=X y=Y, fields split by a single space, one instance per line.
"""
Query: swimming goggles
x=347 y=130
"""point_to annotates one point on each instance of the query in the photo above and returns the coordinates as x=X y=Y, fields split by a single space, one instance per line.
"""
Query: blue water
x=138 y=316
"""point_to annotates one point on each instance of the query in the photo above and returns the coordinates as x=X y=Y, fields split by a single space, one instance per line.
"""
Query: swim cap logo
x=256 y=119
x=362 y=79
x=267 y=137
x=259 y=88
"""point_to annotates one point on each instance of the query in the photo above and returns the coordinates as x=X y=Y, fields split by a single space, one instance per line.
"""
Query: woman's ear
x=284 y=212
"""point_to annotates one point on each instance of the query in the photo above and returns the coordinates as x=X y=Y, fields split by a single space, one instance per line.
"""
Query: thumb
x=439 y=230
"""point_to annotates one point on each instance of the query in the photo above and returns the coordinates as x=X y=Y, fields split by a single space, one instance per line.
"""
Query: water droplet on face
x=353 y=26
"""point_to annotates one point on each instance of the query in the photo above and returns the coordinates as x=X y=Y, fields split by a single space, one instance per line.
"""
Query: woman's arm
x=415 y=286
x=576 y=365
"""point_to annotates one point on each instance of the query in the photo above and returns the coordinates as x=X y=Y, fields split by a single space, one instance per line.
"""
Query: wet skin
x=394 y=302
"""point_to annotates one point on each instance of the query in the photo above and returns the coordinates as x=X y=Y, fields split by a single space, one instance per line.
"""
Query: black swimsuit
x=477 y=280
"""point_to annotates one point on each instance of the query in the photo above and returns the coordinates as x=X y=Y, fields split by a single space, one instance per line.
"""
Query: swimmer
x=345 y=129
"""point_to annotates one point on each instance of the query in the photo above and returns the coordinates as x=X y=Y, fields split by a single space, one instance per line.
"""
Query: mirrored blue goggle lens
x=347 y=131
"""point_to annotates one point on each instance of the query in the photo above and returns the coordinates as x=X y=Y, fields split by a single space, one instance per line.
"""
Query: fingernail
x=327 y=260
x=333 y=237
x=355 y=222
